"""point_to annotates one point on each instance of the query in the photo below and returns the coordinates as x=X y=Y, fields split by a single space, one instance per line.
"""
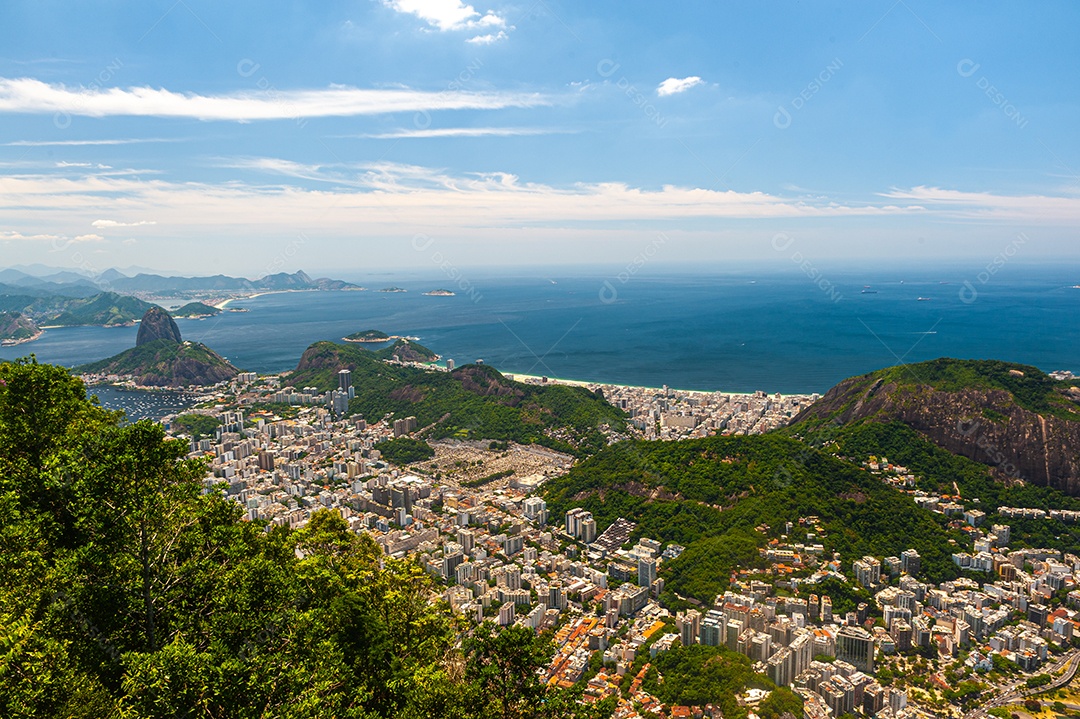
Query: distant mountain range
x=68 y=298
x=70 y=283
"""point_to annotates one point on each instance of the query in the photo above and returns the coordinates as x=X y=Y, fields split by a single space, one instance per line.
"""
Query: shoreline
x=24 y=340
x=224 y=303
x=589 y=383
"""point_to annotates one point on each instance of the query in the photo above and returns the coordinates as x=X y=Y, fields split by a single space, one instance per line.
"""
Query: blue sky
x=200 y=136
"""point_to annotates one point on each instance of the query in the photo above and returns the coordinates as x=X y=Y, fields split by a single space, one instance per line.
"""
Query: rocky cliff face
x=157 y=324
x=983 y=424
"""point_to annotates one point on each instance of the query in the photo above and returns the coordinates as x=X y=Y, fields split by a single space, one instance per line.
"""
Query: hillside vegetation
x=164 y=363
x=106 y=309
x=472 y=402
x=1013 y=418
x=710 y=494
x=125 y=591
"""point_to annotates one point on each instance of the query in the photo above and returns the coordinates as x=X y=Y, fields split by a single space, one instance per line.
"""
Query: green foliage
x=164 y=363
x=407 y=351
x=405 y=450
x=196 y=426
x=196 y=309
x=106 y=308
x=1039 y=680
x=472 y=402
x=126 y=591
x=15 y=326
x=1034 y=390
x=488 y=479
x=725 y=487
x=368 y=336
x=699 y=675
x=937 y=470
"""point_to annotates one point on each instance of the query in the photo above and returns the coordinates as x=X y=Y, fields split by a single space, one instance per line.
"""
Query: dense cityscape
x=471 y=515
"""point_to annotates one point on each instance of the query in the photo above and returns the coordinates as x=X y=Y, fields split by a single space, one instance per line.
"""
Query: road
x=1017 y=690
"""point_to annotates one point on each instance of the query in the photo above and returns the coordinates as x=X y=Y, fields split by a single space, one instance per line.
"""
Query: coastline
x=24 y=340
x=583 y=383
x=225 y=303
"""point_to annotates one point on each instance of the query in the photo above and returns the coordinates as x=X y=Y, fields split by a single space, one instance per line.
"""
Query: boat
x=867 y=291
x=924 y=299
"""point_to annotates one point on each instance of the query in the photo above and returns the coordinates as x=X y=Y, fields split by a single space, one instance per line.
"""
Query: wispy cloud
x=387 y=199
x=101 y=224
x=487 y=39
x=77 y=143
x=9 y=235
x=1037 y=209
x=26 y=95
x=675 y=85
x=460 y=132
x=447 y=15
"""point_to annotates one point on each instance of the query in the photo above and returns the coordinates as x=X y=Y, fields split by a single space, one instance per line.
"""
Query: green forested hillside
x=938 y=470
x=107 y=308
x=126 y=592
x=710 y=494
x=164 y=363
x=472 y=402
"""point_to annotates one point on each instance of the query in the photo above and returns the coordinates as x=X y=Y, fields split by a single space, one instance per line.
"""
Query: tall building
x=339 y=402
x=536 y=510
x=506 y=614
x=867 y=571
x=855 y=645
x=646 y=572
x=574 y=518
x=344 y=380
x=588 y=530
x=689 y=626
x=556 y=596
x=911 y=562
x=450 y=365
x=266 y=461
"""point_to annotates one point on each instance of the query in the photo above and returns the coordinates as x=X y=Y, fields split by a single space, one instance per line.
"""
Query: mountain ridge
x=1013 y=418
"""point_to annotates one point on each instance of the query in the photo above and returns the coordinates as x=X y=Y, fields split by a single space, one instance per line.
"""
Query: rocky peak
x=157 y=324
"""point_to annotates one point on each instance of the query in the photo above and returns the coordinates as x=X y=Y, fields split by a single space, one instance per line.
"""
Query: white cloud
x=89 y=238
x=75 y=143
x=446 y=15
x=114 y=223
x=460 y=132
x=487 y=39
x=7 y=235
x=26 y=95
x=1037 y=209
x=674 y=85
x=387 y=199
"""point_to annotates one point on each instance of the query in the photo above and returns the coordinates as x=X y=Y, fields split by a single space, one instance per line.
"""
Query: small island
x=371 y=336
x=439 y=293
x=393 y=289
x=196 y=310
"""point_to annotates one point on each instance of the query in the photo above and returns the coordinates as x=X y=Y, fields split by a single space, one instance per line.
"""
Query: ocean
x=738 y=331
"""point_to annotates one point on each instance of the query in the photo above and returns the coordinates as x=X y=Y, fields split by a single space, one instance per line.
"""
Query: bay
x=736 y=331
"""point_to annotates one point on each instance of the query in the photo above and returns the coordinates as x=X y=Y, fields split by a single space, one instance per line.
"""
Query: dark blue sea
x=733 y=331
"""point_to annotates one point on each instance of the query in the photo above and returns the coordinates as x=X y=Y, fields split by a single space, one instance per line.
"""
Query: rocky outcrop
x=985 y=424
x=157 y=324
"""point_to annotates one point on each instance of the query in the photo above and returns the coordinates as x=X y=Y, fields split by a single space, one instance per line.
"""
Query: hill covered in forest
x=472 y=402
x=161 y=358
x=712 y=495
x=1014 y=418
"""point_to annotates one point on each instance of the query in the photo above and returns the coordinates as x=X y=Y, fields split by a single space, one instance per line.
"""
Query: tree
x=503 y=666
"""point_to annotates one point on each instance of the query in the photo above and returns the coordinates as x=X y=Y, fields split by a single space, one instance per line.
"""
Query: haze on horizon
x=201 y=137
